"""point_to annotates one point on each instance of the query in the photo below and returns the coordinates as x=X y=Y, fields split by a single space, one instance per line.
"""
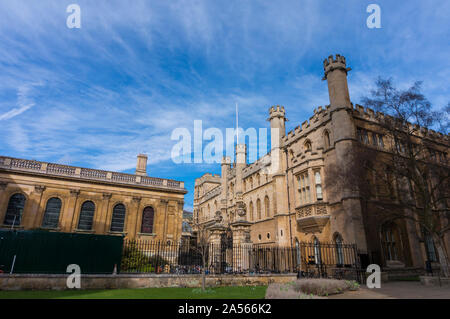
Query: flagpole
x=237 y=125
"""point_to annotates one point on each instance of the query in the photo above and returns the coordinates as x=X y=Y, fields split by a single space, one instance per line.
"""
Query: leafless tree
x=202 y=246
x=409 y=172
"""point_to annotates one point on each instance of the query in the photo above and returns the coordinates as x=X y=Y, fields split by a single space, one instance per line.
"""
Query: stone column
x=30 y=218
x=164 y=204
x=215 y=246
x=133 y=217
x=3 y=201
x=241 y=245
x=101 y=221
x=178 y=221
x=69 y=212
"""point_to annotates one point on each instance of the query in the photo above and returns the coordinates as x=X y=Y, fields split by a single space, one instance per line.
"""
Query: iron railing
x=306 y=259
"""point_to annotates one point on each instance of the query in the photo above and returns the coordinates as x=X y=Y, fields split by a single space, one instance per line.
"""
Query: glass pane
x=118 y=218
x=147 y=220
x=86 y=216
x=319 y=192
x=52 y=211
x=318 y=179
x=15 y=210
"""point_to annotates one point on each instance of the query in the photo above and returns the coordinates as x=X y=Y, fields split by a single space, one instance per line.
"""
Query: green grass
x=143 y=293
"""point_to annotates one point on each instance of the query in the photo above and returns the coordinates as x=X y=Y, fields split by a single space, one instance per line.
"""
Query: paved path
x=397 y=290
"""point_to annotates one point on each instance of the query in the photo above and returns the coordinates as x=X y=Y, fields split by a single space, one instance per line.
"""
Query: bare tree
x=405 y=166
x=202 y=246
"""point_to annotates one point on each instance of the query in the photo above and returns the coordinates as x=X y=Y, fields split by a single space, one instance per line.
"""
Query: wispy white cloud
x=118 y=86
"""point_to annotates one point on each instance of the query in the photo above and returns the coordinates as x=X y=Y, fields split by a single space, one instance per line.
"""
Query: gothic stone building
x=286 y=204
x=39 y=195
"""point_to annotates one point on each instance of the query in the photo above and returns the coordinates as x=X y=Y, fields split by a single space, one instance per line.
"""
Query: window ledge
x=146 y=234
x=50 y=228
x=11 y=226
x=118 y=233
x=84 y=231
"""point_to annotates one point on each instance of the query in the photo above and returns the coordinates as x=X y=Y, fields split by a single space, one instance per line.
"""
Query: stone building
x=280 y=199
x=40 y=195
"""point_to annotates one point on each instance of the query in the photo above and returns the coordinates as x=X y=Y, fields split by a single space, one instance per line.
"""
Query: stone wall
x=58 y=282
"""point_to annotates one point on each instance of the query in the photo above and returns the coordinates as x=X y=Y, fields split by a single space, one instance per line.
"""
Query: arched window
x=258 y=208
x=267 y=206
x=147 y=220
x=86 y=216
x=297 y=252
x=326 y=138
x=291 y=156
x=339 y=250
x=318 y=182
x=258 y=178
x=317 y=254
x=14 y=211
x=52 y=211
x=308 y=145
x=251 y=211
x=429 y=247
x=390 y=239
x=118 y=218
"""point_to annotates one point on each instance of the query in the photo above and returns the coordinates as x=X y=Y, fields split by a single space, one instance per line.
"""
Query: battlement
x=334 y=63
x=241 y=148
x=226 y=160
x=208 y=178
x=320 y=114
x=276 y=111
x=369 y=114
x=337 y=59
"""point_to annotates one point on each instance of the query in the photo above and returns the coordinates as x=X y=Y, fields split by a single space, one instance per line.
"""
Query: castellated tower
x=277 y=120
x=344 y=132
x=241 y=162
x=336 y=75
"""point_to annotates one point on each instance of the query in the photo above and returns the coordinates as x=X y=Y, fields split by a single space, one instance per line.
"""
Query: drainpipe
x=289 y=201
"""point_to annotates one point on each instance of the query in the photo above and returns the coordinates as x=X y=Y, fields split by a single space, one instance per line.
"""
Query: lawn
x=144 y=293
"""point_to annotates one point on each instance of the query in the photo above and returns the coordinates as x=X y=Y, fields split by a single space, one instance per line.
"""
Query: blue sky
x=99 y=95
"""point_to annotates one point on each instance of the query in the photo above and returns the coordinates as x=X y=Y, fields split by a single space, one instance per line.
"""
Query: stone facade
x=72 y=186
x=283 y=193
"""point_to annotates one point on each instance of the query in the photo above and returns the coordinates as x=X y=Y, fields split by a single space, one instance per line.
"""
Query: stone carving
x=241 y=210
x=39 y=189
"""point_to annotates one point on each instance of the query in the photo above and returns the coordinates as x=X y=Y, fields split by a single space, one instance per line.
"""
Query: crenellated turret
x=335 y=72
x=277 y=120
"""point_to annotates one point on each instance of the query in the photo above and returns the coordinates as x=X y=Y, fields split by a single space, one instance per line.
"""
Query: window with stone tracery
x=318 y=182
x=303 y=188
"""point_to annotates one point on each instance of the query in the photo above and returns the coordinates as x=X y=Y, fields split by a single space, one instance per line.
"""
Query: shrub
x=134 y=259
x=309 y=288
x=286 y=291
x=324 y=287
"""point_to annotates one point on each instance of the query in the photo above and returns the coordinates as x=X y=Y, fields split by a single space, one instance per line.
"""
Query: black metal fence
x=306 y=259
